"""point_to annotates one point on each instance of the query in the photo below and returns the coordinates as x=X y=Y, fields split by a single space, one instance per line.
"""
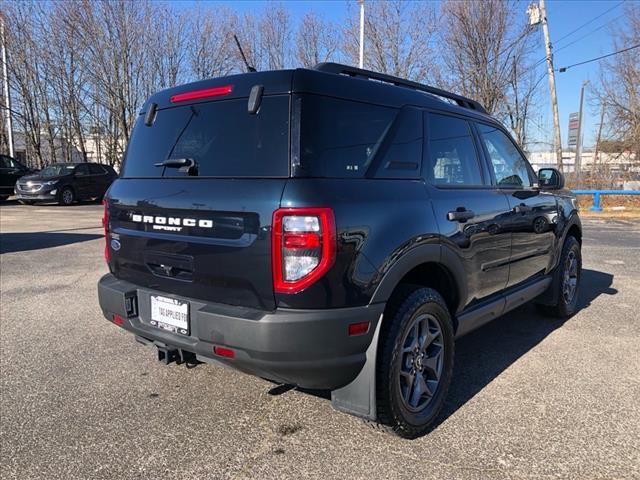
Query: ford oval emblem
x=115 y=244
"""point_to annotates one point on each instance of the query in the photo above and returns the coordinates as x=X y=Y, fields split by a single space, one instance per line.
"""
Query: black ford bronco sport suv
x=331 y=228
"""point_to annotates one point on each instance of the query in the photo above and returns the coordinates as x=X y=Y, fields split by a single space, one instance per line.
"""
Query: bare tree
x=488 y=46
x=520 y=102
x=210 y=49
x=114 y=35
x=248 y=33
x=317 y=40
x=618 y=89
x=166 y=47
x=4 y=108
x=275 y=36
x=63 y=55
x=27 y=74
x=399 y=39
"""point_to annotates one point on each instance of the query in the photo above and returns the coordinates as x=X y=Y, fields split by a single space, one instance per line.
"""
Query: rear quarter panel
x=377 y=221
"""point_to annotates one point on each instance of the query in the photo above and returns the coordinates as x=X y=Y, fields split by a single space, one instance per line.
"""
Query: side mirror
x=550 y=179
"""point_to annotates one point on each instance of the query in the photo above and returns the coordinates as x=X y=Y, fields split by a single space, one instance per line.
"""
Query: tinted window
x=340 y=138
x=8 y=162
x=96 y=169
x=82 y=169
x=222 y=138
x=400 y=154
x=57 y=169
x=452 y=155
x=509 y=166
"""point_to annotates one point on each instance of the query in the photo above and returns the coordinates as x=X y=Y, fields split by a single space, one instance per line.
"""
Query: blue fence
x=597 y=193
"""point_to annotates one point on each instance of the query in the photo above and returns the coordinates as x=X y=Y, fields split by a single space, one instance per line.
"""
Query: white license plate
x=170 y=314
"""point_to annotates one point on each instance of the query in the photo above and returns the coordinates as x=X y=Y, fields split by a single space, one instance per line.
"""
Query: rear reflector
x=204 y=93
x=358 y=328
x=118 y=320
x=224 y=352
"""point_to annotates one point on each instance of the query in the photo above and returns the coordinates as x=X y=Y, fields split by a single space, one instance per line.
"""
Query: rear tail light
x=303 y=247
x=105 y=224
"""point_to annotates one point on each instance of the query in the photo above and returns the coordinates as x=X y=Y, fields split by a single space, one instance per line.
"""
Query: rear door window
x=340 y=138
x=220 y=136
x=451 y=152
x=82 y=170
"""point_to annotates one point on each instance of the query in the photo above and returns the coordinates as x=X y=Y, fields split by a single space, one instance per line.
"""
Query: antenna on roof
x=244 y=59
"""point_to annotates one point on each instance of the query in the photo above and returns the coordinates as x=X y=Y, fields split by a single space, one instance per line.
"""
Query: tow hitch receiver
x=170 y=355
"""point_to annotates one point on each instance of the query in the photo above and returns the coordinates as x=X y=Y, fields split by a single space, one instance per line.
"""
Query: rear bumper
x=308 y=348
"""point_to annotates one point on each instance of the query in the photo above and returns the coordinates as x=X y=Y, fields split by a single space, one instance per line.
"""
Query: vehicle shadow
x=14 y=202
x=484 y=354
x=21 y=242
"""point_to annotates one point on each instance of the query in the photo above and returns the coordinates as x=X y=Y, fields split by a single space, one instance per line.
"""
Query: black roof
x=334 y=80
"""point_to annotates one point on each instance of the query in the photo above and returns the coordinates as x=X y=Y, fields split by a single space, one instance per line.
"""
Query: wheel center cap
x=419 y=362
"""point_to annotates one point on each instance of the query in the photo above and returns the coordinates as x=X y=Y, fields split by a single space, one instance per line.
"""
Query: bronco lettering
x=159 y=222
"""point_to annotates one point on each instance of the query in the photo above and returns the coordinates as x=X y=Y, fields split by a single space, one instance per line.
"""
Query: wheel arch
x=433 y=266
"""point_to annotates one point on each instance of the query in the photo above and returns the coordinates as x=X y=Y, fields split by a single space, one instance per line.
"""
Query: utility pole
x=597 y=150
x=5 y=85
x=552 y=85
x=578 y=165
x=361 y=63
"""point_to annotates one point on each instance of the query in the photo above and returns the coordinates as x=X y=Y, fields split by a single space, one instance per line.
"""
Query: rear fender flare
x=432 y=253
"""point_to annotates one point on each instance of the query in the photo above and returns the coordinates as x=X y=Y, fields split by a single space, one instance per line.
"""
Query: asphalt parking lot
x=532 y=397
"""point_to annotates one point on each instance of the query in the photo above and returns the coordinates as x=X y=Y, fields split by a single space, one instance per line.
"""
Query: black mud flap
x=359 y=397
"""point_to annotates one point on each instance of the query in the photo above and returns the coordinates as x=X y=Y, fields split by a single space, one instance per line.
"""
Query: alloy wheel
x=67 y=197
x=421 y=362
x=570 y=277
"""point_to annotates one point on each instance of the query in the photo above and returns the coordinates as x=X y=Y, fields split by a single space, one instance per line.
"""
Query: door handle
x=522 y=208
x=460 y=215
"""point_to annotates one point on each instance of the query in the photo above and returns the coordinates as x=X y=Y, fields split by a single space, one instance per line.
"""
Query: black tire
x=4 y=198
x=566 y=303
x=66 y=196
x=405 y=318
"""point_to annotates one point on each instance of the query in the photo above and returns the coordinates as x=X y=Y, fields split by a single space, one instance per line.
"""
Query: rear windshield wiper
x=187 y=165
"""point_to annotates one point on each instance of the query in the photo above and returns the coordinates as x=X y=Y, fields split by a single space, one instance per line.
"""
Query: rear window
x=220 y=136
x=96 y=169
x=340 y=138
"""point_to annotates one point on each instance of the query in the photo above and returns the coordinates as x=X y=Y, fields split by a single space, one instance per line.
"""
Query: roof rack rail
x=340 y=69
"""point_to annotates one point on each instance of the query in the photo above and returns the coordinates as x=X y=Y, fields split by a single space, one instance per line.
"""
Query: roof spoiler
x=340 y=69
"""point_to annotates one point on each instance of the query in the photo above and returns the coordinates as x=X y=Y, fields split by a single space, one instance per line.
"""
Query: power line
x=588 y=34
x=542 y=60
x=564 y=69
x=589 y=22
